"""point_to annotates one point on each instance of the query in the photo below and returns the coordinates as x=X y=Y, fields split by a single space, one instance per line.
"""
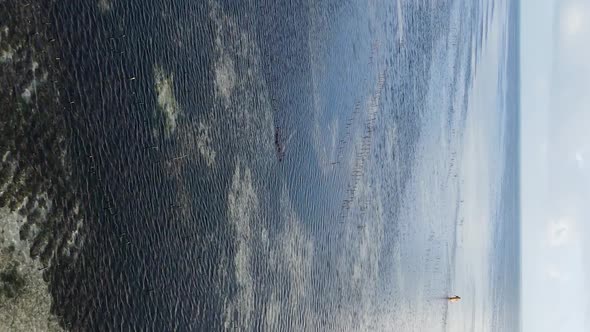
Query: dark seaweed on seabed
x=35 y=172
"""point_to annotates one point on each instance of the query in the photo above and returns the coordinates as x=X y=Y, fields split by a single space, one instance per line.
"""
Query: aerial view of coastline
x=300 y=165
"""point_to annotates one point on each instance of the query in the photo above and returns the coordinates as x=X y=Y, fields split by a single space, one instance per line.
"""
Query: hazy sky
x=555 y=68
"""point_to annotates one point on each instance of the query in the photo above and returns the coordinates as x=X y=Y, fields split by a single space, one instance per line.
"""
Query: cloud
x=573 y=24
x=573 y=20
x=580 y=159
x=556 y=257
x=568 y=135
x=554 y=273
x=559 y=232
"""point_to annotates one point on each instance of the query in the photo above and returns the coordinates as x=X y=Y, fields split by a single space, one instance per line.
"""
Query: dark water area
x=176 y=118
x=148 y=253
x=143 y=249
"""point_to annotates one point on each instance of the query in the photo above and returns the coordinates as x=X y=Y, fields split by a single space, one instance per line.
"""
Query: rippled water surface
x=269 y=165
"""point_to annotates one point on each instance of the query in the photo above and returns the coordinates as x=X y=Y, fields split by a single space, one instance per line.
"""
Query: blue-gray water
x=397 y=186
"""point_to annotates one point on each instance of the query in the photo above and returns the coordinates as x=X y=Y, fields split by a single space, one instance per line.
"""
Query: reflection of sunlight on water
x=279 y=266
x=480 y=174
x=243 y=214
x=104 y=6
x=241 y=96
x=167 y=103
x=452 y=180
x=193 y=138
x=225 y=76
x=258 y=255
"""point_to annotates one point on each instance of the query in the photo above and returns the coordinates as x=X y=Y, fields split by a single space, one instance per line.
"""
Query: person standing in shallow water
x=454 y=298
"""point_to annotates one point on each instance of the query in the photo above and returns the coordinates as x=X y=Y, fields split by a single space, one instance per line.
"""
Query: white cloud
x=559 y=232
x=554 y=273
x=573 y=20
x=580 y=159
x=555 y=253
x=573 y=30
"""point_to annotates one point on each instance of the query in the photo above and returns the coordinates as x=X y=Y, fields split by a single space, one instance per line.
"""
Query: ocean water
x=279 y=165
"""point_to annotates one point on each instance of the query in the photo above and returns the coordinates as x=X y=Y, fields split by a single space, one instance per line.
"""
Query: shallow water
x=398 y=150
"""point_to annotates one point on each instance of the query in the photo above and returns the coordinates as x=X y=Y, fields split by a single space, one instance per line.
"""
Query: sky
x=555 y=175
